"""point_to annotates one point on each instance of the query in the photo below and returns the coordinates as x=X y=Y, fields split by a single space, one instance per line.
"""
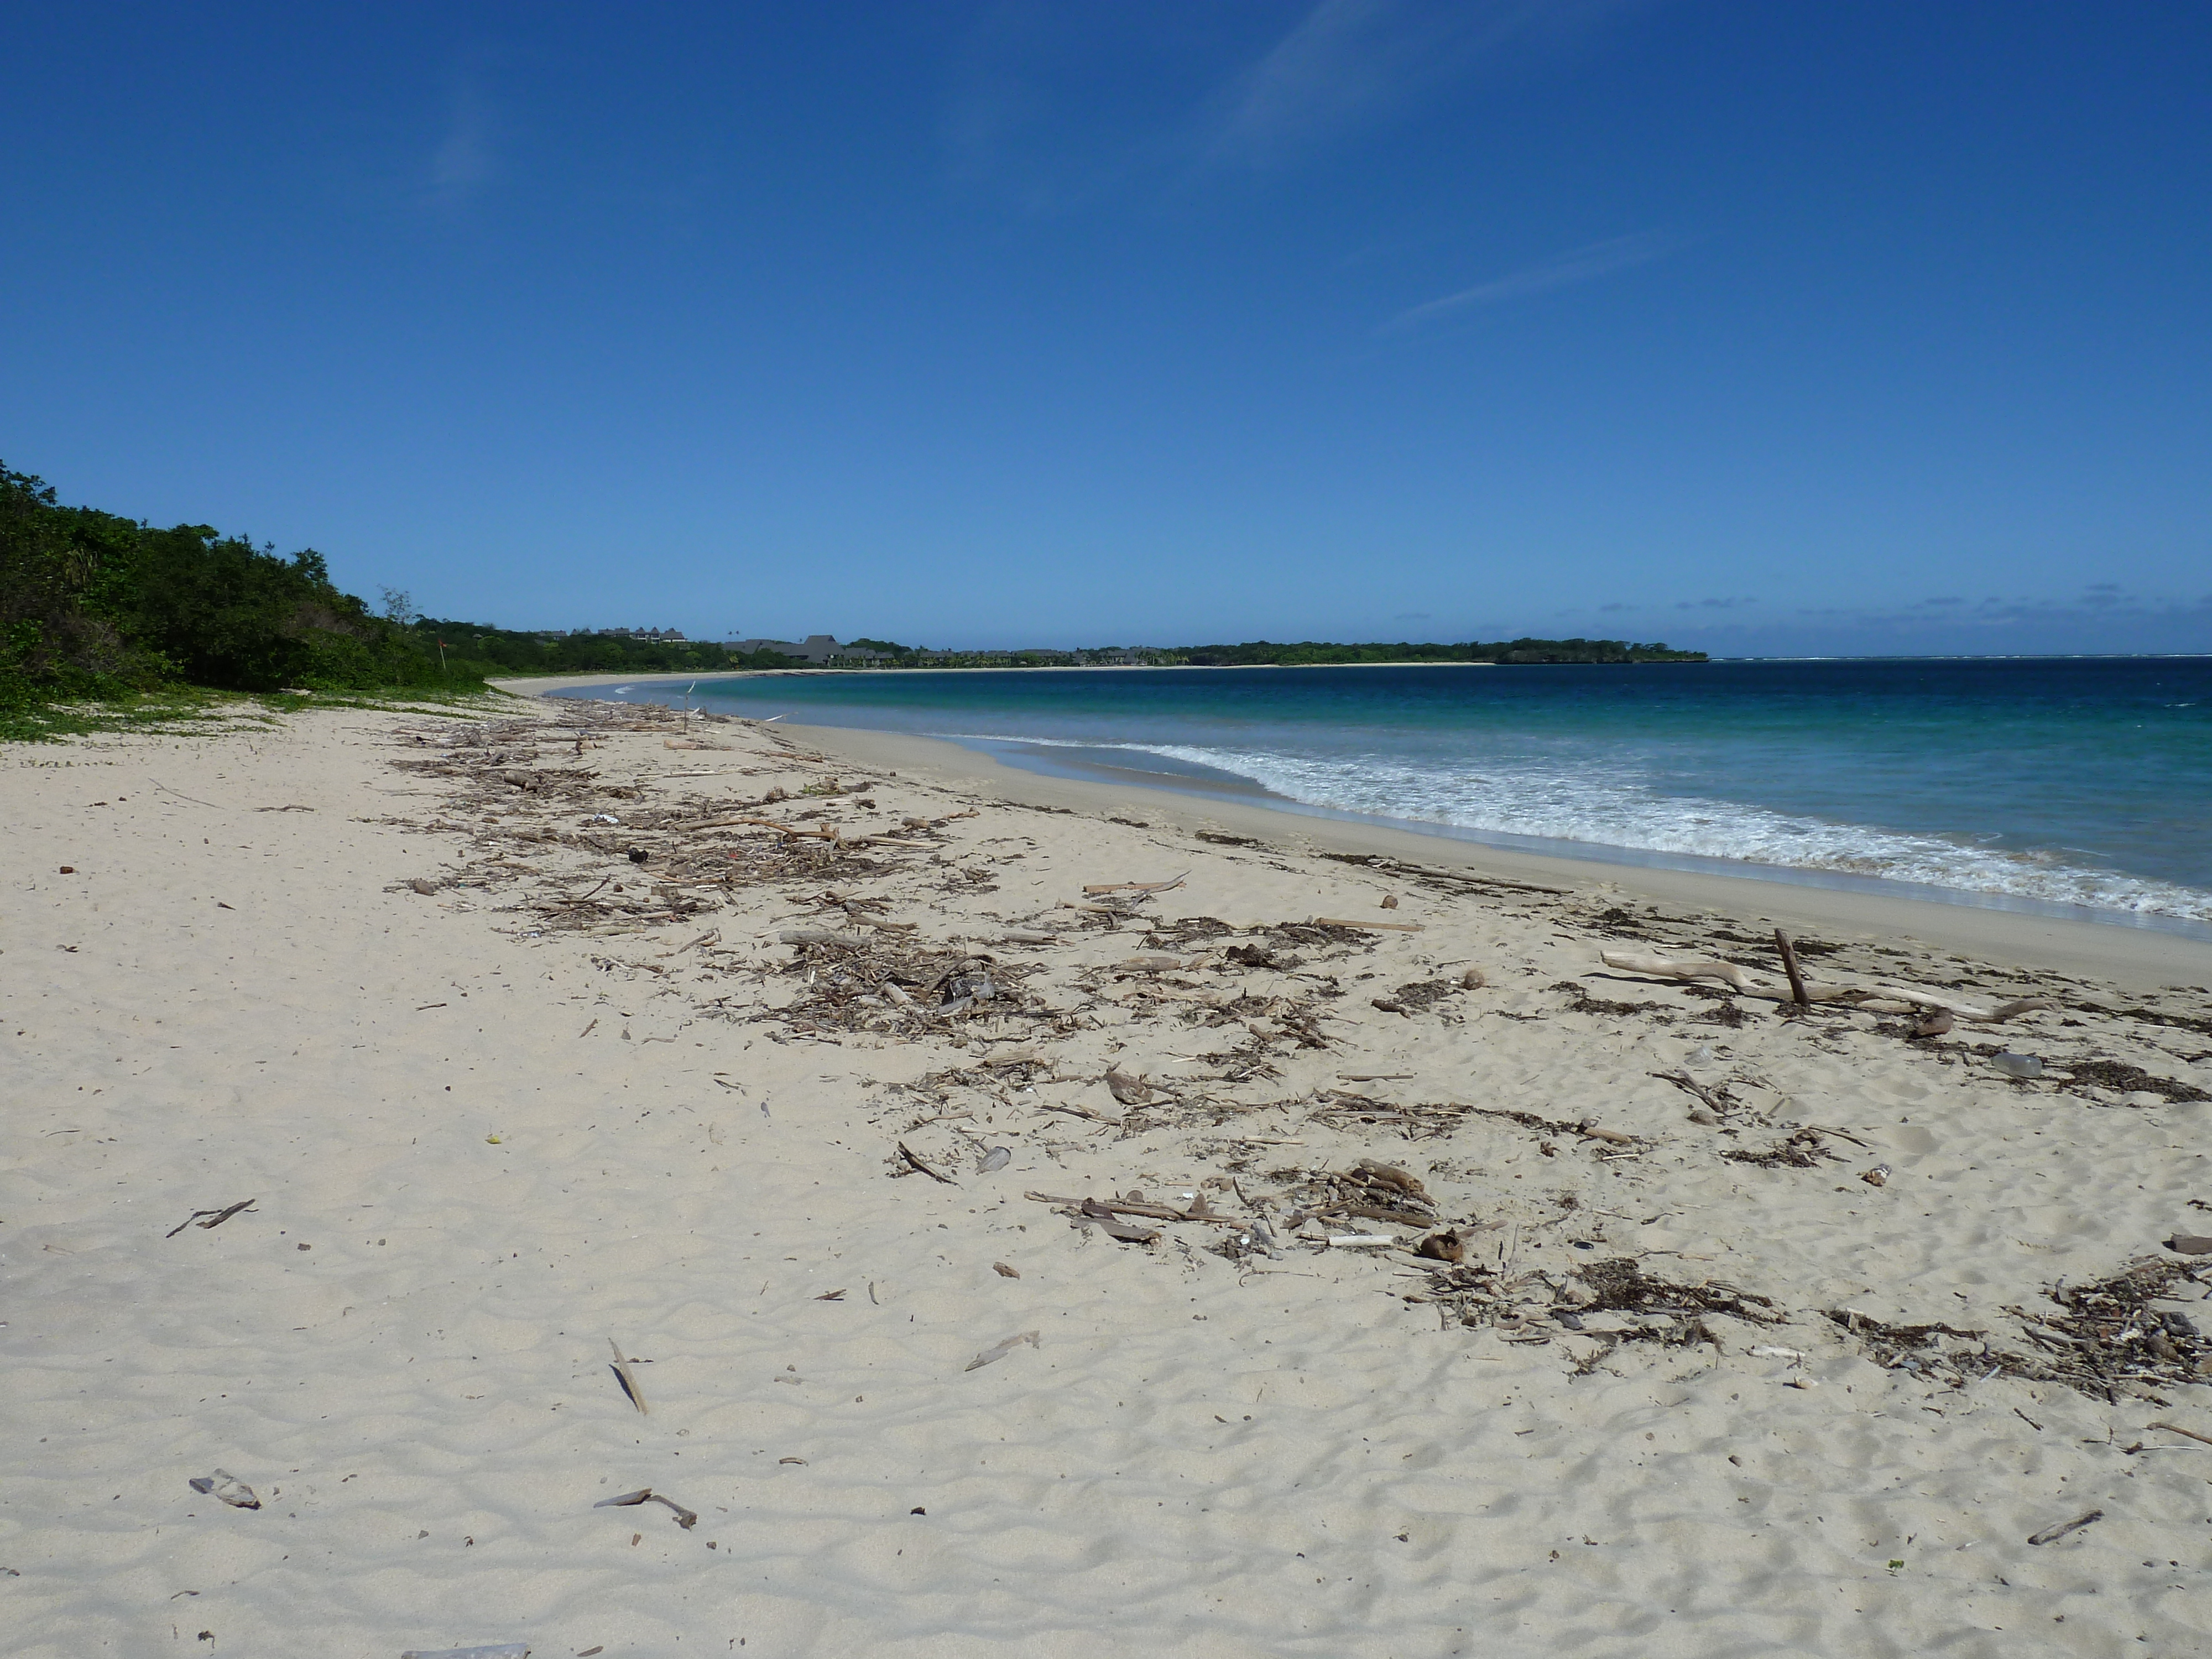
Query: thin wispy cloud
x=464 y=161
x=1585 y=265
x=1348 y=61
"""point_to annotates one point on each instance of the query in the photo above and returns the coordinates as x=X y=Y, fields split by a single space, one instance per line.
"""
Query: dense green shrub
x=93 y=604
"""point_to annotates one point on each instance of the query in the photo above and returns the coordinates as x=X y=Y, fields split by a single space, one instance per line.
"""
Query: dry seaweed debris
x=2108 y=1340
x=875 y=983
x=1585 y=1003
x=1417 y=998
x=1533 y=1306
x=1801 y=1150
x=2118 y=1075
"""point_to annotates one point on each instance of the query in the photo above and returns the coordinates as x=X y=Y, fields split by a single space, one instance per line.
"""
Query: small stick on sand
x=630 y=1387
x=2053 y=1534
x=1136 y=886
x=1386 y=926
x=216 y=1217
x=913 y=1158
x=2176 y=1428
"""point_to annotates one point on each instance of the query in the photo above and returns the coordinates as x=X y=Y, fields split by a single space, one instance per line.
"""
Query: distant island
x=639 y=650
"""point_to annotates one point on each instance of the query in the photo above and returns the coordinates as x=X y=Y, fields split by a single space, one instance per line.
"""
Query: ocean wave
x=1612 y=803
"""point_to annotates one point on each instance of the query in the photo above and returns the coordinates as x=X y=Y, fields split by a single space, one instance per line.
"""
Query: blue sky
x=1866 y=327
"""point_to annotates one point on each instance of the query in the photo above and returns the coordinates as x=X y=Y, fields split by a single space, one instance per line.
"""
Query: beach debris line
x=214 y=1218
x=992 y=1355
x=685 y=1518
x=227 y=1486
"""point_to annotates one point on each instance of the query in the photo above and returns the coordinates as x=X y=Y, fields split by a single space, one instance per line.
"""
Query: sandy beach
x=1035 y=1217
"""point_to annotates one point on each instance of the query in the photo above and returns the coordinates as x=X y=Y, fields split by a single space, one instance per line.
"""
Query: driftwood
x=1631 y=962
x=1790 y=967
x=2176 y=1428
x=914 y=1158
x=216 y=1217
x=1136 y=886
x=1104 y=1208
x=1128 y=1231
x=1369 y=927
x=2053 y=1534
x=685 y=1518
x=991 y=1355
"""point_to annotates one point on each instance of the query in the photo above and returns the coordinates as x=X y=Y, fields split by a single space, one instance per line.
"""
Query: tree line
x=93 y=604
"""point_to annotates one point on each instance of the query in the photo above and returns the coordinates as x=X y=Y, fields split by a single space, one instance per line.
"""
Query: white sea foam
x=1612 y=805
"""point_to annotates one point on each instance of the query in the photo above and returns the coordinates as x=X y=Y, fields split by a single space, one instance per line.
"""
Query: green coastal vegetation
x=106 y=620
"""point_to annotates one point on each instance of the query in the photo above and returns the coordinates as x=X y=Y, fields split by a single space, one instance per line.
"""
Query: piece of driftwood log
x=1373 y=1077
x=1081 y=1112
x=2176 y=1428
x=993 y=1355
x=1790 y=967
x=2053 y=1534
x=1368 y=926
x=685 y=1518
x=915 y=1158
x=1136 y=886
x=216 y=1217
x=1114 y=1227
x=629 y=1382
x=1105 y=1207
x=1390 y=1175
x=1632 y=961
x=1589 y=1129
x=2190 y=1244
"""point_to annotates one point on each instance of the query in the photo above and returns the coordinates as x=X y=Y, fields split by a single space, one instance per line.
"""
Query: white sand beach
x=494 y=1027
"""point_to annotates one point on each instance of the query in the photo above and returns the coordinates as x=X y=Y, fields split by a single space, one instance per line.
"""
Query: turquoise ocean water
x=2074 y=783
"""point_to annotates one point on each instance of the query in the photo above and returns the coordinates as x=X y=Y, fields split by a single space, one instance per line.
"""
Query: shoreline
x=2146 y=957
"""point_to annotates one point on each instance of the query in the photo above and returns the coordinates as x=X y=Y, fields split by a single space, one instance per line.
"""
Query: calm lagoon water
x=2034 y=782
